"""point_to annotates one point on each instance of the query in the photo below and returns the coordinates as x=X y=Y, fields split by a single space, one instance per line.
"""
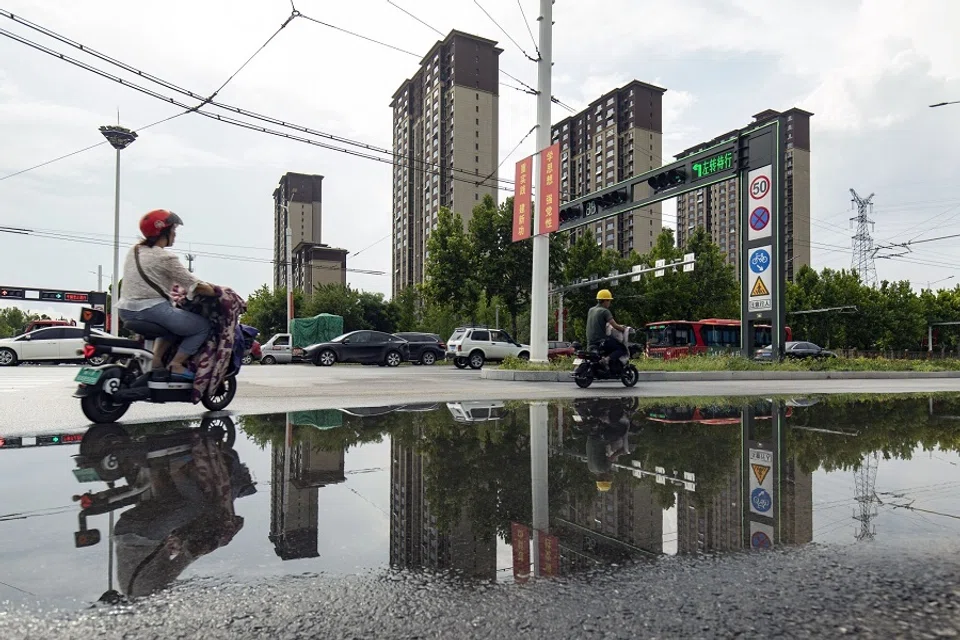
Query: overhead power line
x=504 y=31
x=526 y=23
x=395 y=5
x=191 y=94
x=207 y=254
x=435 y=167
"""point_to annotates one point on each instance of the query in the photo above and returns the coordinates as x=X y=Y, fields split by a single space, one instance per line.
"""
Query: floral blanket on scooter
x=212 y=363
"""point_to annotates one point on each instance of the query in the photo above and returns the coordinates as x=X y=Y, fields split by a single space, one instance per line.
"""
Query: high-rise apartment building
x=616 y=137
x=299 y=196
x=715 y=208
x=445 y=144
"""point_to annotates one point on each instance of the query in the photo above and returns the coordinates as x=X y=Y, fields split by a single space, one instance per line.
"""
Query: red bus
x=671 y=339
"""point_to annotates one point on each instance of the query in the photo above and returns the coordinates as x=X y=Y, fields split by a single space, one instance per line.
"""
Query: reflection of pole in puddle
x=865 y=481
x=539 y=444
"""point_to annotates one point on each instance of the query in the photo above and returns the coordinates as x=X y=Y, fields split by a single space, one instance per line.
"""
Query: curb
x=707 y=376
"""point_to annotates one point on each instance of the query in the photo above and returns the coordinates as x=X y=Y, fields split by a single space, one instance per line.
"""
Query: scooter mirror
x=86 y=538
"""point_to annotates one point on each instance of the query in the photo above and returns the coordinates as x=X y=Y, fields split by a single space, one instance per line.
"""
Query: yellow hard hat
x=604 y=485
x=604 y=294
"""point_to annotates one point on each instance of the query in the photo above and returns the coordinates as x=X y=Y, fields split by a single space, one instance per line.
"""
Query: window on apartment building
x=476 y=158
x=478 y=122
x=478 y=108
x=477 y=133
x=476 y=196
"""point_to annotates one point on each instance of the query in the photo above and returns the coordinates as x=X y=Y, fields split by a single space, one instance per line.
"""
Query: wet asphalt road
x=37 y=399
x=808 y=593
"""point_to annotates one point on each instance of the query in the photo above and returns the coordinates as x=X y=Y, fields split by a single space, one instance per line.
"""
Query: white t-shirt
x=163 y=268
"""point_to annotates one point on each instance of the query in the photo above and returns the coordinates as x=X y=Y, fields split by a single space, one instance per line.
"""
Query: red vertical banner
x=523 y=200
x=549 y=551
x=520 y=539
x=548 y=194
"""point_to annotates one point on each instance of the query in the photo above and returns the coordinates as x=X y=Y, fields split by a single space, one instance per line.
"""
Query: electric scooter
x=107 y=391
x=590 y=365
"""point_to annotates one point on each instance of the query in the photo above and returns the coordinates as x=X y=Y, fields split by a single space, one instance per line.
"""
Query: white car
x=50 y=344
x=472 y=346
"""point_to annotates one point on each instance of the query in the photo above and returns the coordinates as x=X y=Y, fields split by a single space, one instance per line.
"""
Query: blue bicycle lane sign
x=759 y=261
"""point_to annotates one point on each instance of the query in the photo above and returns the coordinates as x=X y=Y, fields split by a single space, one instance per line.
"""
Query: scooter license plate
x=88 y=375
x=578 y=362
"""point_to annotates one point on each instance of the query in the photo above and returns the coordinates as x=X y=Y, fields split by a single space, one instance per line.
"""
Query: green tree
x=267 y=310
x=13 y=321
x=450 y=265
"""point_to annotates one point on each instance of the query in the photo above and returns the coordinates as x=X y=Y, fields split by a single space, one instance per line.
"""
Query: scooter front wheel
x=219 y=399
x=630 y=376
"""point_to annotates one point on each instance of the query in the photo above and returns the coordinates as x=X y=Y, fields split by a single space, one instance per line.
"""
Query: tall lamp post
x=119 y=138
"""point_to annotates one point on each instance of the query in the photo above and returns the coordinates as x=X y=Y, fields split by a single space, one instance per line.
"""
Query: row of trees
x=477 y=274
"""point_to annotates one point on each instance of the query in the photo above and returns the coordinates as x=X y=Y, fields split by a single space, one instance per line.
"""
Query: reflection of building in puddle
x=298 y=471
x=625 y=522
x=416 y=539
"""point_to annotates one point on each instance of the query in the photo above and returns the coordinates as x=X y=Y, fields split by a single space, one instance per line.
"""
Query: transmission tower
x=865 y=481
x=863 y=250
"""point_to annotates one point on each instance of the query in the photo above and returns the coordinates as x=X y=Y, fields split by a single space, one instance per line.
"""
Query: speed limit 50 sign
x=759 y=211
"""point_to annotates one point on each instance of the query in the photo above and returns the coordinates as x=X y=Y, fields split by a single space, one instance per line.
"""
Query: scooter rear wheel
x=583 y=376
x=100 y=409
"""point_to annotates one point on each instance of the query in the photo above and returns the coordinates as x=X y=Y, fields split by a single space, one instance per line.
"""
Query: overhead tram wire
x=194 y=95
x=247 y=125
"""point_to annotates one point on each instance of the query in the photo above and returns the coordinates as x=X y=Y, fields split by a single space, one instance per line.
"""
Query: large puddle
x=489 y=491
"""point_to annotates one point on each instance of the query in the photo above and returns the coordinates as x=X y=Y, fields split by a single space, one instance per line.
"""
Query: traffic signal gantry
x=754 y=156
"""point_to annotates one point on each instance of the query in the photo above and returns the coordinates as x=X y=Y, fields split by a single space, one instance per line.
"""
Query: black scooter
x=591 y=365
x=107 y=391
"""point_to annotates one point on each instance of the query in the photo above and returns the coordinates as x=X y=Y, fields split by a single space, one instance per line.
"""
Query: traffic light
x=667 y=180
x=613 y=198
x=570 y=212
x=12 y=293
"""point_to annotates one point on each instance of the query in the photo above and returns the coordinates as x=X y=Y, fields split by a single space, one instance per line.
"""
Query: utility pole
x=540 y=285
x=862 y=262
x=190 y=258
x=99 y=277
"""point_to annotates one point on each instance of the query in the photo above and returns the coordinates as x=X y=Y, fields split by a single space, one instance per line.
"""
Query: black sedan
x=364 y=347
x=425 y=348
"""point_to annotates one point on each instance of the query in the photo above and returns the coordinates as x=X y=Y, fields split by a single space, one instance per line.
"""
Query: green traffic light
x=56 y=439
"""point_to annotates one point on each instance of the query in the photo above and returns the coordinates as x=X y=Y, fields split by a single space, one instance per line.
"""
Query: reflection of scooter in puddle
x=181 y=486
x=607 y=426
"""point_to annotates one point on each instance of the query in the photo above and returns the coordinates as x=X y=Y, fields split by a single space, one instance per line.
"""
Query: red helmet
x=153 y=223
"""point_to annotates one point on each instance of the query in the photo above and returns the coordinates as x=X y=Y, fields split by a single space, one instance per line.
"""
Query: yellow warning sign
x=759 y=289
x=760 y=471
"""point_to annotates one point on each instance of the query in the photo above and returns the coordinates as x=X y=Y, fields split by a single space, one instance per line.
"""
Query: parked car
x=798 y=350
x=50 y=344
x=365 y=347
x=424 y=348
x=473 y=346
x=560 y=349
x=280 y=350
x=40 y=324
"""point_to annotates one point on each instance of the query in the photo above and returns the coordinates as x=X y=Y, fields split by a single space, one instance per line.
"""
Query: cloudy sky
x=867 y=70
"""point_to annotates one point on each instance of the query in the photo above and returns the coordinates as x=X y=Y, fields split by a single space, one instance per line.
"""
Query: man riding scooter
x=599 y=318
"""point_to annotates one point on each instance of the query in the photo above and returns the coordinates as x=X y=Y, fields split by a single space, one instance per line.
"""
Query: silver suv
x=472 y=346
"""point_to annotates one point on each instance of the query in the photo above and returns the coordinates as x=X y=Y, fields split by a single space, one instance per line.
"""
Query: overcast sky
x=867 y=70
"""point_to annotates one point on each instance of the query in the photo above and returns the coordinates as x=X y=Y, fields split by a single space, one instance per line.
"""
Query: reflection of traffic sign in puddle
x=760 y=540
x=760 y=471
x=761 y=500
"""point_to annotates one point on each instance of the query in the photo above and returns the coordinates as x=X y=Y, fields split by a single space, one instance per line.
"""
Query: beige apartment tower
x=445 y=143
x=715 y=208
x=299 y=196
x=618 y=136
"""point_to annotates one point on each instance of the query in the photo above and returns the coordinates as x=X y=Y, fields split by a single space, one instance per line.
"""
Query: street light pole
x=119 y=138
x=540 y=285
x=943 y=104
x=940 y=280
